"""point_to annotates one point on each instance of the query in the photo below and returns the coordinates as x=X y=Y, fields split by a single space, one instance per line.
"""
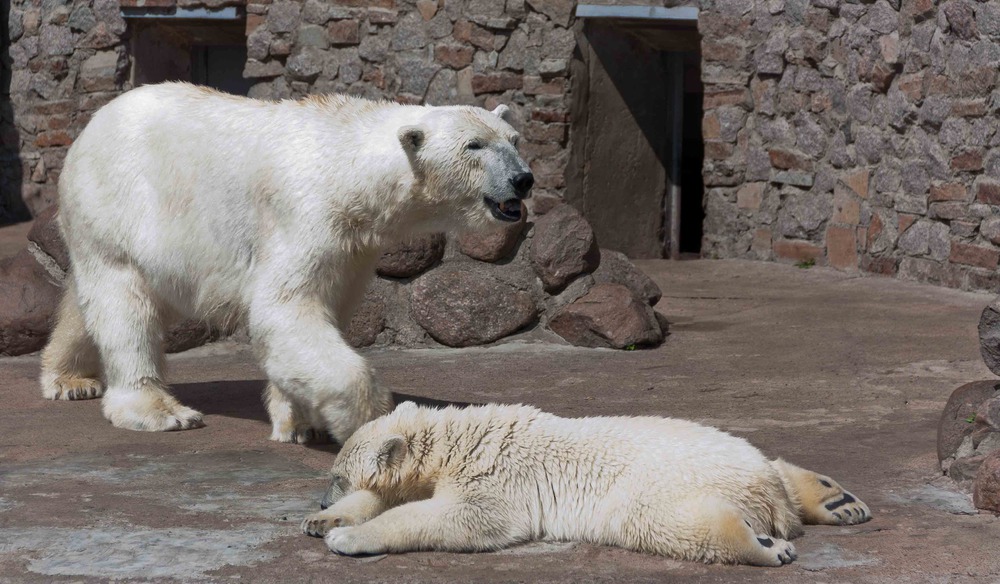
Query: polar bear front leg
x=307 y=357
x=289 y=421
x=125 y=323
x=440 y=523
x=354 y=509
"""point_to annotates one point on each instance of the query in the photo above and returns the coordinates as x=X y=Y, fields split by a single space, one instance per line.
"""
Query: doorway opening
x=636 y=150
x=692 y=158
x=203 y=48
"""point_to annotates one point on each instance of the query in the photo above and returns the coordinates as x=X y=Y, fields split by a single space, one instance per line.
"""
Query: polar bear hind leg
x=126 y=324
x=711 y=529
x=70 y=362
x=820 y=499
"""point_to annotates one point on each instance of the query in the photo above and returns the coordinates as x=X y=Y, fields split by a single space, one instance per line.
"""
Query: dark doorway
x=205 y=52
x=12 y=207
x=692 y=157
x=636 y=146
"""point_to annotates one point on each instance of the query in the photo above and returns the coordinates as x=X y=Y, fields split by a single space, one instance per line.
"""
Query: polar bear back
x=188 y=182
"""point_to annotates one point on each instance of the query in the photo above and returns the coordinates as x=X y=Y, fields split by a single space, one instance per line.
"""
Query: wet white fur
x=178 y=201
x=487 y=477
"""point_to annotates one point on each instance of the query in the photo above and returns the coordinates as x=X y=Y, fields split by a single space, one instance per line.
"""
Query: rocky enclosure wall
x=860 y=135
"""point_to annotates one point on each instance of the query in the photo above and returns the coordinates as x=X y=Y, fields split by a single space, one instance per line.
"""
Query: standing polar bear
x=180 y=201
x=488 y=477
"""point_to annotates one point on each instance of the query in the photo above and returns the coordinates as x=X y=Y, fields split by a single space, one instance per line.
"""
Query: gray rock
x=15 y=24
x=370 y=318
x=495 y=244
x=616 y=268
x=189 y=334
x=312 y=35
x=283 y=16
x=986 y=487
x=989 y=336
x=28 y=301
x=609 y=315
x=306 y=65
x=45 y=234
x=415 y=75
x=409 y=258
x=463 y=304
x=965 y=469
x=563 y=247
x=915 y=240
x=82 y=18
x=410 y=33
x=56 y=40
x=958 y=418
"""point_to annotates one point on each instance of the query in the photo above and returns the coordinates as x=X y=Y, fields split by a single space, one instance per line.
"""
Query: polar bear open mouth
x=509 y=210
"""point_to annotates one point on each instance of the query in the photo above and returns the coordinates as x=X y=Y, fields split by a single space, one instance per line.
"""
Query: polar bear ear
x=412 y=138
x=389 y=454
x=503 y=112
x=406 y=406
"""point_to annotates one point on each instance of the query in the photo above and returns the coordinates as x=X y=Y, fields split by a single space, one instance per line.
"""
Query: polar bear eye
x=474 y=145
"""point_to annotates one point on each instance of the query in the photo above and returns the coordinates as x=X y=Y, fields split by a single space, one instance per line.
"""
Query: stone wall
x=859 y=135
x=479 y=52
x=854 y=134
x=67 y=59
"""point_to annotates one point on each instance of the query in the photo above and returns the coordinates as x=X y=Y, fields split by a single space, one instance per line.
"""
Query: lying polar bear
x=487 y=477
x=180 y=201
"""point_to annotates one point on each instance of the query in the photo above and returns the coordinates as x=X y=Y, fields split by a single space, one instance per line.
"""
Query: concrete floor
x=843 y=375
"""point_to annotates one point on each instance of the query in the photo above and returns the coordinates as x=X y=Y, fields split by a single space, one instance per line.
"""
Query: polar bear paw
x=150 y=409
x=776 y=552
x=352 y=541
x=318 y=524
x=300 y=435
x=846 y=509
x=72 y=387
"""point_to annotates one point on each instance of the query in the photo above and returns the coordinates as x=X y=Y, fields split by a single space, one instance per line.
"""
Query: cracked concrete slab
x=840 y=374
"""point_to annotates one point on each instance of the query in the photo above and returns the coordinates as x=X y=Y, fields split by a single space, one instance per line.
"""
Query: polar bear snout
x=522 y=184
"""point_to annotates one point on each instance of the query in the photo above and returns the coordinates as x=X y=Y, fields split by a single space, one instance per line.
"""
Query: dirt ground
x=843 y=375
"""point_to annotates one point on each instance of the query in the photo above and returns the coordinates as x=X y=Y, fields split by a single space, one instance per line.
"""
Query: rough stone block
x=842 y=247
x=609 y=315
x=563 y=247
x=409 y=258
x=466 y=303
x=974 y=255
x=795 y=250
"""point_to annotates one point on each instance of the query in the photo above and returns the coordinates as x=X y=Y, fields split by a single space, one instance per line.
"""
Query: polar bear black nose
x=522 y=183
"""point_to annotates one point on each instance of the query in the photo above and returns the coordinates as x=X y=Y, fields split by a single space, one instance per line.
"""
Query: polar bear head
x=466 y=158
x=372 y=459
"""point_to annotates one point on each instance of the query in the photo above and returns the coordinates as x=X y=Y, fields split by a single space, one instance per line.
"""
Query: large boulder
x=609 y=315
x=467 y=303
x=410 y=258
x=45 y=234
x=986 y=487
x=616 y=268
x=958 y=420
x=189 y=334
x=493 y=245
x=369 y=318
x=989 y=336
x=29 y=297
x=563 y=247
